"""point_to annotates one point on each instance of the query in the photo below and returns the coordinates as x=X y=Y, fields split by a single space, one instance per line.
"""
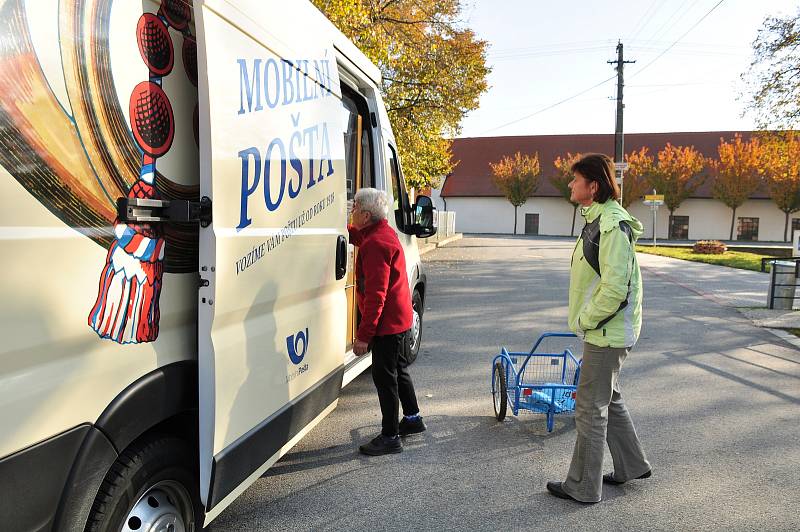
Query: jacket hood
x=612 y=213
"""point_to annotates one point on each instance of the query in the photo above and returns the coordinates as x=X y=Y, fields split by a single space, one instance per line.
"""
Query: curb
x=457 y=236
x=785 y=336
x=425 y=248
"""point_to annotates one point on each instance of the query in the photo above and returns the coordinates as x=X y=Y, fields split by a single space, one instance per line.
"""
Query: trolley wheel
x=499 y=391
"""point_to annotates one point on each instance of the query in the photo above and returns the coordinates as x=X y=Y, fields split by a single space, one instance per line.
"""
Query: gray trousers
x=601 y=417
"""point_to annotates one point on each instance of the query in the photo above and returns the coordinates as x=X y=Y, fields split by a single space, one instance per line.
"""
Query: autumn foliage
x=737 y=172
x=677 y=174
x=636 y=179
x=781 y=169
x=433 y=72
x=517 y=177
x=562 y=178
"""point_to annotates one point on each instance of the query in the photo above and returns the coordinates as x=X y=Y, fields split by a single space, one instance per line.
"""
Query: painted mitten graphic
x=126 y=310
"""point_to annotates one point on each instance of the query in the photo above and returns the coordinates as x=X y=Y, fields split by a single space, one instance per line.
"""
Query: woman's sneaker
x=413 y=425
x=382 y=445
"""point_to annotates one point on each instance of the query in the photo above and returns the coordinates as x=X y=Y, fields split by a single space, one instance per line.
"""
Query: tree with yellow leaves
x=737 y=172
x=781 y=169
x=636 y=180
x=517 y=178
x=677 y=174
x=562 y=179
x=433 y=69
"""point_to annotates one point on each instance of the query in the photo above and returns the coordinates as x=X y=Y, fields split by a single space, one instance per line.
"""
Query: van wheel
x=151 y=487
x=416 y=327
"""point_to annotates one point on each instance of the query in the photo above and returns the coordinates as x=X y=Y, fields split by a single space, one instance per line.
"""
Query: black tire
x=156 y=476
x=415 y=339
x=499 y=391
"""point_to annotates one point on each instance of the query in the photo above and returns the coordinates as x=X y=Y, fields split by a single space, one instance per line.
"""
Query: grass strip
x=732 y=259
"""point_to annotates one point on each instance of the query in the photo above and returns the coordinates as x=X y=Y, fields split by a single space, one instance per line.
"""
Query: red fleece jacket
x=384 y=299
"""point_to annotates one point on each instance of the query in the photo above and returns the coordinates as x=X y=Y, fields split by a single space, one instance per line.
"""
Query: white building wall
x=708 y=219
x=482 y=215
x=496 y=215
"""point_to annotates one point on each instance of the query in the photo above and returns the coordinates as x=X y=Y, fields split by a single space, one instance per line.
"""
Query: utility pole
x=619 y=143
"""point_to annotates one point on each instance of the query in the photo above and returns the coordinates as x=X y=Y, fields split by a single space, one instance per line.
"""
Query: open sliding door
x=272 y=302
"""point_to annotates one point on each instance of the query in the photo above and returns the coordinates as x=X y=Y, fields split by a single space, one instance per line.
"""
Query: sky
x=687 y=75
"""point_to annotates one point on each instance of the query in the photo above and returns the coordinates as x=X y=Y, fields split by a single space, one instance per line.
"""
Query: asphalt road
x=715 y=401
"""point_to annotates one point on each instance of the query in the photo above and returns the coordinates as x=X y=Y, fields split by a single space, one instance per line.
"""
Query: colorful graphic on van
x=80 y=131
x=126 y=309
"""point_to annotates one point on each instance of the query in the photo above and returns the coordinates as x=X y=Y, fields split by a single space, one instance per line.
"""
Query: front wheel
x=416 y=327
x=151 y=487
x=499 y=391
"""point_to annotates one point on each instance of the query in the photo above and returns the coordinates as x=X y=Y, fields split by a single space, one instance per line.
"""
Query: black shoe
x=412 y=426
x=608 y=478
x=556 y=489
x=382 y=445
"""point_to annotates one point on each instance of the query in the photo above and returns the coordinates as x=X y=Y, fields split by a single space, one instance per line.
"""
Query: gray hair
x=373 y=201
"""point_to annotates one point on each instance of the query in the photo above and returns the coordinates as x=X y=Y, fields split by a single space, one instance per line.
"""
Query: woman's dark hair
x=599 y=168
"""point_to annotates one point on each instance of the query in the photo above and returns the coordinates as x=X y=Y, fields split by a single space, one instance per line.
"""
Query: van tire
x=154 y=477
x=415 y=339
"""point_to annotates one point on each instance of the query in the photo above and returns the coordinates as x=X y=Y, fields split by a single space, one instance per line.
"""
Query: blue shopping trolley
x=545 y=382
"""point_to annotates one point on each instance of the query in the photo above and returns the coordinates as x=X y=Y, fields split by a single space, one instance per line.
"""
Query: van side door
x=272 y=303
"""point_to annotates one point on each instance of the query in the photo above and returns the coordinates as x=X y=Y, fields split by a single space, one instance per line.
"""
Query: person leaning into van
x=384 y=301
x=605 y=309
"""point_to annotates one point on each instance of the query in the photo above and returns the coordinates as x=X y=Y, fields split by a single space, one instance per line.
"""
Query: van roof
x=314 y=23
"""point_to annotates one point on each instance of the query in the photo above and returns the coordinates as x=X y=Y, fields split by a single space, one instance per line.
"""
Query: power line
x=678 y=39
x=644 y=18
x=667 y=26
x=551 y=106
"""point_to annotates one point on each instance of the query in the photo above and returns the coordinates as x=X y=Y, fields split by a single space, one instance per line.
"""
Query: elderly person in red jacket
x=384 y=301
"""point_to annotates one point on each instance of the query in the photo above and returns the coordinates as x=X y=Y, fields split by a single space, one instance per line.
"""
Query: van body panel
x=160 y=395
x=89 y=467
x=273 y=168
x=117 y=326
x=32 y=480
x=237 y=462
x=66 y=154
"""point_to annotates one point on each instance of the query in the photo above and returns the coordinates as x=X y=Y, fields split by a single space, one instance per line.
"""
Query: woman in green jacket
x=605 y=310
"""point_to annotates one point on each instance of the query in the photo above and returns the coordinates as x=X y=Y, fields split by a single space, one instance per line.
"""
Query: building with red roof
x=482 y=208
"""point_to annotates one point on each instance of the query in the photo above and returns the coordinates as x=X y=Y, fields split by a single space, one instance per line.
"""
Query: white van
x=177 y=303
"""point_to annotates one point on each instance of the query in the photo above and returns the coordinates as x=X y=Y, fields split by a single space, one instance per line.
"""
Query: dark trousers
x=390 y=374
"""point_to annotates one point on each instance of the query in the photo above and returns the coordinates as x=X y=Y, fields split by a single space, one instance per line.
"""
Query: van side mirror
x=425 y=217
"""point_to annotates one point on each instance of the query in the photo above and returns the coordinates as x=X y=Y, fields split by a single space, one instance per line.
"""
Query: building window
x=531 y=224
x=679 y=227
x=748 y=229
x=795 y=224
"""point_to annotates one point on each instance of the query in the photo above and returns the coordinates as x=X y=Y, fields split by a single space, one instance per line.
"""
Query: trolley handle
x=551 y=335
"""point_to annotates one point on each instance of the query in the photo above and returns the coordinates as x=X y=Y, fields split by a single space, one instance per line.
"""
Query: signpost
x=654 y=201
x=620 y=169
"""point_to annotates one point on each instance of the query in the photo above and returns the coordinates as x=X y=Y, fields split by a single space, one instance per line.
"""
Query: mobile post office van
x=177 y=307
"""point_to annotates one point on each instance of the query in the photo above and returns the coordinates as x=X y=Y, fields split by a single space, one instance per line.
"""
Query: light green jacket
x=593 y=298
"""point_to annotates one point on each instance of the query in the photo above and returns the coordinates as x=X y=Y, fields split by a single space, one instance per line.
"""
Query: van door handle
x=341 y=257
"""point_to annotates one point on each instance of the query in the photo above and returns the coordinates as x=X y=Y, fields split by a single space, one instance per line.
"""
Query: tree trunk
x=515 y=219
x=786 y=227
x=574 y=212
x=733 y=219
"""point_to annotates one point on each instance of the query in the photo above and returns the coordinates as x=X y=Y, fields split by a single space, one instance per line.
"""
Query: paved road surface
x=715 y=401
